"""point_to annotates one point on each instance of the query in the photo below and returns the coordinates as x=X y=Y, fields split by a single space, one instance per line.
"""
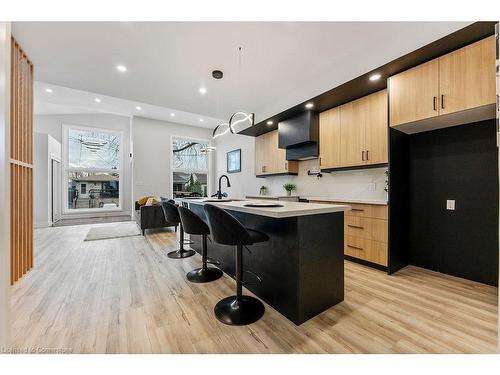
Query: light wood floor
x=125 y=296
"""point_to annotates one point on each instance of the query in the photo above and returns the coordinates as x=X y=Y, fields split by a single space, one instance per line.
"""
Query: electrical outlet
x=450 y=204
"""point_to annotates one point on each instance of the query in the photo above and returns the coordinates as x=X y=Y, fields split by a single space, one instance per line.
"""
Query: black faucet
x=219 y=192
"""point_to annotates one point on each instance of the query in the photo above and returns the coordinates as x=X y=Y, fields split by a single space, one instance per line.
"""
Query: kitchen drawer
x=365 y=227
x=371 y=251
x=361 y=210
x=357 y=226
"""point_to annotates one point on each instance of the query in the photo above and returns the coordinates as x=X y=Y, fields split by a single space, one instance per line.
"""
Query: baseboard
x=42 y=224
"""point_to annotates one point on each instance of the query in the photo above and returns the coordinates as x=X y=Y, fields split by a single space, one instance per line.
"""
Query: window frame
x=66 y=170
x=208 y=141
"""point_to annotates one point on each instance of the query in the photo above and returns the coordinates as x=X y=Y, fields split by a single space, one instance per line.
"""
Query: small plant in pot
x=263 y=190
x=289 y=188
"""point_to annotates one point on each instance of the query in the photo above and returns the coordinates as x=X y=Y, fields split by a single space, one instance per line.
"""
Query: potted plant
x=263 y=190
x=289 y=188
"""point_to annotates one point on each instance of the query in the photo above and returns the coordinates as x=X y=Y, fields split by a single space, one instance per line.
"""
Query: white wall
x=53 y=125
x=356 y=184
x=152 y=154
x=4 y=184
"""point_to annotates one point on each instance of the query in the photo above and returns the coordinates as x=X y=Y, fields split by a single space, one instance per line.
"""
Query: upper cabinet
x=463 y=80
x=271 y=160
x=414 y=94
x=329 y=138
x=355 y=134
x=467 y=77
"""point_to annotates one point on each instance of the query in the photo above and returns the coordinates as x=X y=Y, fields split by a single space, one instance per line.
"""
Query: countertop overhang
x=289 y=209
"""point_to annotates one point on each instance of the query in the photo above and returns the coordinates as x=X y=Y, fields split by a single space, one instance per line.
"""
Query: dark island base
x=301 y=266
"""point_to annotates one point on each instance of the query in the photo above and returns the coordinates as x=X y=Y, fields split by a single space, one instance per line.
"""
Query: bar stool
x=171 y=213
x=227 y=230
x=193 y=224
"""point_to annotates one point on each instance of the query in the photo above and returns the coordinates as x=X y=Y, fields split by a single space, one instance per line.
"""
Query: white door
x=56 y=190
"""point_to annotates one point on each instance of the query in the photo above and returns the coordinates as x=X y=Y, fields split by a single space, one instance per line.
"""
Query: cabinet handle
x=362 y=155
x=355 y=226
x=286 y=166
x=263 y=169
x=434 y=103
x=355 y=247
x=442 y=101
x=320 y=161
x=357 y=209
x=367 y=158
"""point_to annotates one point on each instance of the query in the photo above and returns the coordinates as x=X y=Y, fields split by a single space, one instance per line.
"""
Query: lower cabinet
x=365 y=232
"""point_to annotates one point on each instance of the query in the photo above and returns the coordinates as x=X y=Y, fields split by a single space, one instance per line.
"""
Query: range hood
x=299 y=135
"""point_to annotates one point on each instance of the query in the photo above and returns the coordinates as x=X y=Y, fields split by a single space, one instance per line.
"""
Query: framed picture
x=234 y=161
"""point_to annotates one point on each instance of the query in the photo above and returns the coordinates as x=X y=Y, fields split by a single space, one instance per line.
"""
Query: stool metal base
x=204 y=275
x=237 y=313
x=180 y=254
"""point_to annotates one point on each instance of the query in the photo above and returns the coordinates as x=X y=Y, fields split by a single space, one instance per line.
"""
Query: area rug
x=113 y=231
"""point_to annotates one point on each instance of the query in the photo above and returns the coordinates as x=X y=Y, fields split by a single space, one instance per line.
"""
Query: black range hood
x=299 y=135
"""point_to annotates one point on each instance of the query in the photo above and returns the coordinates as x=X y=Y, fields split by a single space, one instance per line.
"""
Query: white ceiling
x=282 y=63
x=64 y=100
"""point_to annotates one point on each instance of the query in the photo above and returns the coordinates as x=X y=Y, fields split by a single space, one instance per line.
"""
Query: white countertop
x=348 y=200
x=270 y=196
x=289 y=209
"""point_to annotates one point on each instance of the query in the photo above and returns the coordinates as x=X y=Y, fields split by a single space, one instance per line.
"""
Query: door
x=352 y=133
x=376 y=128
x=414 y=94
x=329 y=138
x=467 y=77
x=56 y=190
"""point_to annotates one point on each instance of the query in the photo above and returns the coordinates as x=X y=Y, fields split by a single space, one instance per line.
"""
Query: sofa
x=151 y=217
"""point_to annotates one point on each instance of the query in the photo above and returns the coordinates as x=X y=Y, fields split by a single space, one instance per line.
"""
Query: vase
x=288 y=193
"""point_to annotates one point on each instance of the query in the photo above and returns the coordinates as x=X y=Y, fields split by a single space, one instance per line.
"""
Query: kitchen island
x=301 y=267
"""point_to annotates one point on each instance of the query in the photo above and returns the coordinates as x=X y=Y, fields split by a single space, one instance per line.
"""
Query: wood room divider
x=21 y=163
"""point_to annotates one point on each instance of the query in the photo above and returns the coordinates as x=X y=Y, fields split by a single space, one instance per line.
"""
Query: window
x=189 y=167
x=92 y=159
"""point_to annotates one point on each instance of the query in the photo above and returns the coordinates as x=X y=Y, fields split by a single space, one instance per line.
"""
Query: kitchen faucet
x=219 y=192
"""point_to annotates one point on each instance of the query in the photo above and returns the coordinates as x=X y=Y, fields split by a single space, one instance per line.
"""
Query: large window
x=189 y=167
x=92 y=159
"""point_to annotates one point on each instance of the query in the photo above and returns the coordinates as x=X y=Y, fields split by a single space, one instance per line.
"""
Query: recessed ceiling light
x=138 y=107
x=202 y=90
x=269 y=122
x=201 y=120
x=121 y=68
x=97 y=100
x=309 y=105
x=172 y=114
x=375 y=77
x=48 y=90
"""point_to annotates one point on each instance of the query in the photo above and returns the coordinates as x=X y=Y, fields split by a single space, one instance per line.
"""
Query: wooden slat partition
x=21 y=163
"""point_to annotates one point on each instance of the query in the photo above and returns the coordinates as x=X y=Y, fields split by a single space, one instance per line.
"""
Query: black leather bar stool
x=193 y=224
x=171 y=213
x=227 y=230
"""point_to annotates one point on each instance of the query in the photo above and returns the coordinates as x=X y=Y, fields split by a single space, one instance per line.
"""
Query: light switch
x=372 y=186
x=450 y=204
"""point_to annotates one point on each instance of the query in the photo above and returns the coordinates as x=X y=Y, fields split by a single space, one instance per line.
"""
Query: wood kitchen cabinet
x=271 y=160
x=354 y=134
x=467 y=77
x=414 y=94
x=329 y=138
x=353 y=117
x=458 y=81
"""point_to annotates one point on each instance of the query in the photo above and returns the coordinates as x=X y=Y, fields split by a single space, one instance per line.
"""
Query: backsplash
x=352 y=184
